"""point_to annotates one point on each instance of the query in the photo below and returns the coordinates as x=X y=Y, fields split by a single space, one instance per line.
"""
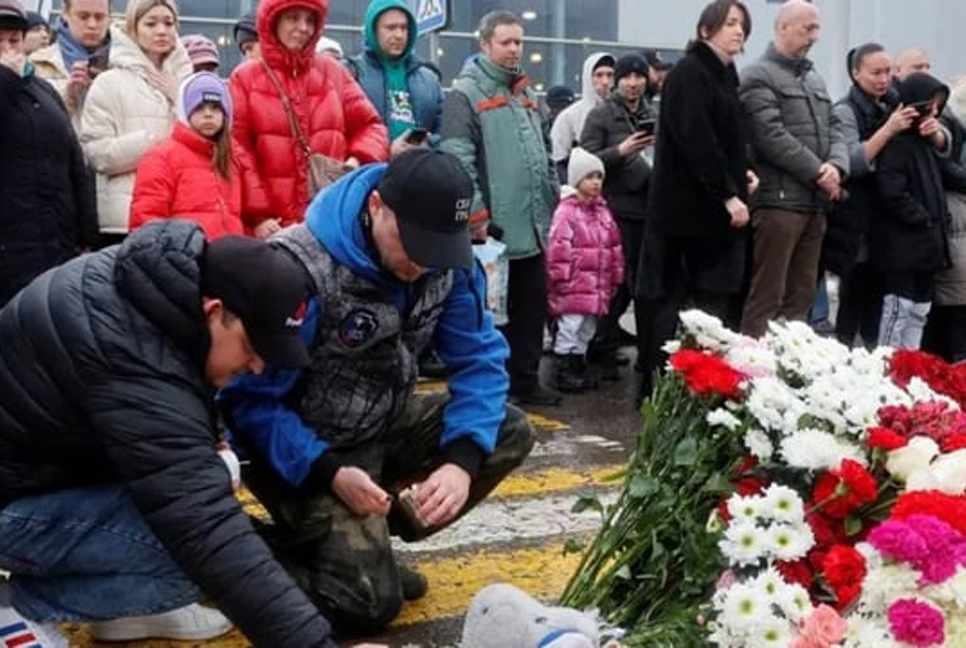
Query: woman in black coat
x=694 y=234
x=47 y=204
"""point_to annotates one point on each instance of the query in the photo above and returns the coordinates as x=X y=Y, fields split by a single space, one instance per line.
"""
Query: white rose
x=950 y=472
x=915 y=456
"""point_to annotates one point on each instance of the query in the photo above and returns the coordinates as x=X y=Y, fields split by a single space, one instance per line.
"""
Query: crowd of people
x=193 y=267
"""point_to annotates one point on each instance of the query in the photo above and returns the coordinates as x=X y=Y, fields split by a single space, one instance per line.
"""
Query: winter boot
x=568 y=378
x=586 y=373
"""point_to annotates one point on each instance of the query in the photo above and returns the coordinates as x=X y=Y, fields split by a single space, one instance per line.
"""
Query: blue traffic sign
x=431 y=15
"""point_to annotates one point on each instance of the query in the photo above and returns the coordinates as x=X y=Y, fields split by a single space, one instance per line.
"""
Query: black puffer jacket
x=47 y=205
x=101 y=379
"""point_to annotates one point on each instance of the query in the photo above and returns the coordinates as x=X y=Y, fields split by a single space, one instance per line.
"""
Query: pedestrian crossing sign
x=431 y=15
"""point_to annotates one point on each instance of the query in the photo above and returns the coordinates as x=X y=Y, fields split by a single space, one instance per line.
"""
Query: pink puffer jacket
x=585 y=261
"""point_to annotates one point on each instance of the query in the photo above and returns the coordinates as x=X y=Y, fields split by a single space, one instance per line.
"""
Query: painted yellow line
x=542 y=572
x=556 y=480
x=544 y=424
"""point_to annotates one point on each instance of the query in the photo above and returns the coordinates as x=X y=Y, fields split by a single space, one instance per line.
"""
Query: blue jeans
x=87 y=555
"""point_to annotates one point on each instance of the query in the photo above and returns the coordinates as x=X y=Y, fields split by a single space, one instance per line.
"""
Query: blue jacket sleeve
x=469 y=344
x=258 y=415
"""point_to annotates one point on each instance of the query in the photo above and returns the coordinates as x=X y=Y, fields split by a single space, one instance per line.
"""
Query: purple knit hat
x=199 y=88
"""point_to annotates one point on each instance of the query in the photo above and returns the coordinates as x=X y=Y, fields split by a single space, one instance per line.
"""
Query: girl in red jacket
x=585 y=262
x=198 y=174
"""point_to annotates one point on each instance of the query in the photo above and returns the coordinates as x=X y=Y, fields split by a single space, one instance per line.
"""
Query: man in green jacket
x=493 y=124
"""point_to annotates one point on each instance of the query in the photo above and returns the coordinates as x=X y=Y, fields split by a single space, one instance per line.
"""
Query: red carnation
x=951 y=509
x=795 y=572
x=708 y=375
x=840 y=492
x=953 y=442
x=886 y=439
x=844 y=570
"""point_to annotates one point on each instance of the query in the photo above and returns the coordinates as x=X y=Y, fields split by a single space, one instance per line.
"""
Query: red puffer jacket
x=333 y=112
x=585 y=261
x=176 y=179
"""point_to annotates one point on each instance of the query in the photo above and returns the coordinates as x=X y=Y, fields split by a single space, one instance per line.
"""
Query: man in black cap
x=114 y=502
x=620 y=131
x=335 y=449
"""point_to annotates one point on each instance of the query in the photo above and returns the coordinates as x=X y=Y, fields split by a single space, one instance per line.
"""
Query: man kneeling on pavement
x=388 y=256
x=114 y=505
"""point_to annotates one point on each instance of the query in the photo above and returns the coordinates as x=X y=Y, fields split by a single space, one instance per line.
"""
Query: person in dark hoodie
x=333 y=448
x=404 y=89
x=909 y=244
x=114 y=502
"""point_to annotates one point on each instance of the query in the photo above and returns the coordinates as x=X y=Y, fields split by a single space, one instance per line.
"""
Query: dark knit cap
x=12 y=15
x=245 y=30
x=559 y=97
x=34 y=19
x=629 y=63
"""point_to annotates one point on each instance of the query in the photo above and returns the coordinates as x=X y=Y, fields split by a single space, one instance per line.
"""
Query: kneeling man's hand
x=356 y=489
x=442 y=496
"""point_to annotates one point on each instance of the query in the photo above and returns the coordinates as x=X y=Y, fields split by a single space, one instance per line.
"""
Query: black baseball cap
x=266 y=288
x=431 y=194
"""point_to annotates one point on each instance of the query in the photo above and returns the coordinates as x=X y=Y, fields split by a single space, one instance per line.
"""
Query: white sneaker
x=191 y=623
x=18 y=632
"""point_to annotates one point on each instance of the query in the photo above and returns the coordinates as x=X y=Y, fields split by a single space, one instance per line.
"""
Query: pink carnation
x=927 y=543
x=823 y=628
x=917 y=623
x=899 y=541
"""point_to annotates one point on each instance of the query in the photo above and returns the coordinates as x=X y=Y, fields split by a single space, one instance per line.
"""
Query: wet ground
x=519 y=533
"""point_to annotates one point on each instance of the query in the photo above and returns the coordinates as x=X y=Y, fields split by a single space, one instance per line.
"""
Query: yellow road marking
x=556 y=480
x=541 y=572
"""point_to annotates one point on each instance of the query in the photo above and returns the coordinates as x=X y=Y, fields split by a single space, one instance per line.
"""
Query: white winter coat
x=124 y=116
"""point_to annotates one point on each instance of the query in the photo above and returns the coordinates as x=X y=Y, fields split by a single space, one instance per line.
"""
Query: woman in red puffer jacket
x=198 y=174
x=333 y=113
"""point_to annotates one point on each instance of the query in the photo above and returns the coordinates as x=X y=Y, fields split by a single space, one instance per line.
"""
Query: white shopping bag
x=497 y=267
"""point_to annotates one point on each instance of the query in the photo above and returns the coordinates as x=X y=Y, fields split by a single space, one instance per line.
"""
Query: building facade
x=561 y=33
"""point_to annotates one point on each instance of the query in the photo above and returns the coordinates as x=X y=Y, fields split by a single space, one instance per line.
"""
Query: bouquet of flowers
x=789 y=491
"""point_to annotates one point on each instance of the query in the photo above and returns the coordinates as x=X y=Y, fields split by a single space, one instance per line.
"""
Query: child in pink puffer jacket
x=585 y=263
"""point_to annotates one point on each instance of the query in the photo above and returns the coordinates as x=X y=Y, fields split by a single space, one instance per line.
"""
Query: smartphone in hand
x=417 y=136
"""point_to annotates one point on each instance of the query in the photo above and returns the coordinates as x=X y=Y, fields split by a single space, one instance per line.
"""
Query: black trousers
x=344 y=562
x=606 y=339
x=945 y=333
x=527 y=316
x=860 y=306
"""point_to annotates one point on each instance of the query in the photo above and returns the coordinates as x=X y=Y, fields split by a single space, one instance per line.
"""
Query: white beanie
x=582 y=164
x=502 y=616
x=328 y=44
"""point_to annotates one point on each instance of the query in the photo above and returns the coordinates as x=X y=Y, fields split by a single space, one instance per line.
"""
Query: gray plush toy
x=502 y=616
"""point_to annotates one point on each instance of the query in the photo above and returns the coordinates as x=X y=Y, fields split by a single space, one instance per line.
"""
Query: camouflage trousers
x=344 y=561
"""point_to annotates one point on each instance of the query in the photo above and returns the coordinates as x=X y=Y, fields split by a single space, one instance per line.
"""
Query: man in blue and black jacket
x=388 y=252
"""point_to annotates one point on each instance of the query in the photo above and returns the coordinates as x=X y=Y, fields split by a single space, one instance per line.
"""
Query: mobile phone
x=417 y=135
x=646 y=126
x=96 y=63
x=922 y=107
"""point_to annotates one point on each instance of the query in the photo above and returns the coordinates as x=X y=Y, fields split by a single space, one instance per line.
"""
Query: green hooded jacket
x=493 y=124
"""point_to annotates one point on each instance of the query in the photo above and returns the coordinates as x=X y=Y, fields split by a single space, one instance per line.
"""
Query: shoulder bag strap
x=287 y=105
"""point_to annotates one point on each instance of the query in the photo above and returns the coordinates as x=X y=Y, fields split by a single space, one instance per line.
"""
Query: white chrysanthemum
x=724 y=418
x=759 y=445
x=794 y=602
x=783 y=504
x=817 y=450
x=865 y=632
x=671 y=347
x=743 y=543
x=788 y=542
x=886 y=583
x=771 y=633
x=951 y=592
x=744 y=508
x=743 y=609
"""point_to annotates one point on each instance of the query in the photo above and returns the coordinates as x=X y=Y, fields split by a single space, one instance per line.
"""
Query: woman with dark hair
x=47 y=211
x=695 y=237
x=868 y=120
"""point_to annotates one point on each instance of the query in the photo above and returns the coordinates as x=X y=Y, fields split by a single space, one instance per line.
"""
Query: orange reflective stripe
x=489 y=104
